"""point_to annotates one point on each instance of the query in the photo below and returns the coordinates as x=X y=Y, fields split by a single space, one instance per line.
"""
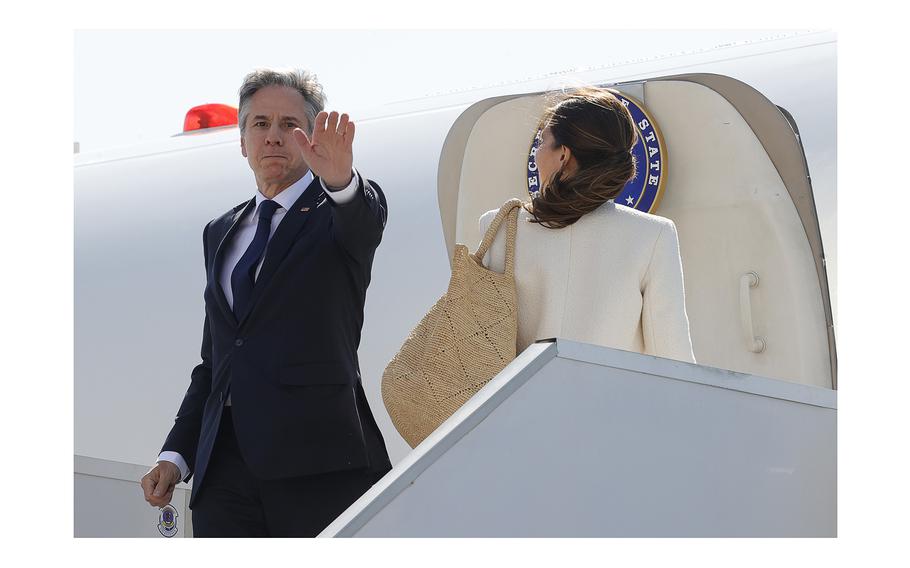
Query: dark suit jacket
x=291 y=361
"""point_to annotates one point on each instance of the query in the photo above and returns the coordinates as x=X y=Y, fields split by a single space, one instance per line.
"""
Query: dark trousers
x=233 y=503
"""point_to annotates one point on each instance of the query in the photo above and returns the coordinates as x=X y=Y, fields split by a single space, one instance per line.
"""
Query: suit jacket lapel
x=218 y=263
x=285 y=236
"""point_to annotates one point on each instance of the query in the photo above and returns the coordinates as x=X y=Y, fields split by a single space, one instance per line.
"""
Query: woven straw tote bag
x=466 y=338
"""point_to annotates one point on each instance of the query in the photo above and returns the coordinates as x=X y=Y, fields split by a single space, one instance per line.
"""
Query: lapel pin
x=305 y=209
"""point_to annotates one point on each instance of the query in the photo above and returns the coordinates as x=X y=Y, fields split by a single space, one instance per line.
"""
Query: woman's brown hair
x=599 y=130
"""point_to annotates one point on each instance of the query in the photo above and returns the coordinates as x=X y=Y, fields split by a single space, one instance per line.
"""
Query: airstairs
x=576 y=440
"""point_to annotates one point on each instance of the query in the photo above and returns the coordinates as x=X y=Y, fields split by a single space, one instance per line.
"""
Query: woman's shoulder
x=616 y=212
x=609 y=212
x=488 y=217
x=485 y=220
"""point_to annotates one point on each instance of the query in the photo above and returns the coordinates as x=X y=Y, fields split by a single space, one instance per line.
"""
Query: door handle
x=748 y=281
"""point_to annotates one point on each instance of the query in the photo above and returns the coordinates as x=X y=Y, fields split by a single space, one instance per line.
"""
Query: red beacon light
x=209 y=116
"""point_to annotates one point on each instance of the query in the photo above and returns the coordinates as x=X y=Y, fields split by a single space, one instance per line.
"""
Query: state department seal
x=167 y=521
x=646 y=189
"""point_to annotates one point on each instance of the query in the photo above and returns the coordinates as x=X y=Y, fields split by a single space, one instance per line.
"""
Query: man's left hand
x=329 y=153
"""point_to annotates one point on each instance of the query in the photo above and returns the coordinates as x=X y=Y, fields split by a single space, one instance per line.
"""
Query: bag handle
x=509 y=208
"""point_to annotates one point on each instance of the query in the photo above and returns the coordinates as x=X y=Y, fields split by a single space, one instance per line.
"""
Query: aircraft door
x=735 y=184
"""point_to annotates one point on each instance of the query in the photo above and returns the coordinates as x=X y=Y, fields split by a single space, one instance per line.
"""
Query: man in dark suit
x=275 y=425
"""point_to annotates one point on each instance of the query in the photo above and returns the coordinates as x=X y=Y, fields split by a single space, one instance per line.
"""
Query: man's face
x=268 y=144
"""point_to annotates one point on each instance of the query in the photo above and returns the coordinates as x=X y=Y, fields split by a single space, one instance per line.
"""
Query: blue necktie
x=243 y=276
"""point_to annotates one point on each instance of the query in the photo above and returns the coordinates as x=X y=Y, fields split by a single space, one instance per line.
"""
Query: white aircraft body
x=740 y=128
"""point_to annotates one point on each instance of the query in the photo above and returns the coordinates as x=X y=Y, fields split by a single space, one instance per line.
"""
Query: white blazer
x=612 y=278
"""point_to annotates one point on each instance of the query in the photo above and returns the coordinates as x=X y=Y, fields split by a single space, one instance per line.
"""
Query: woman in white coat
x=586 y=268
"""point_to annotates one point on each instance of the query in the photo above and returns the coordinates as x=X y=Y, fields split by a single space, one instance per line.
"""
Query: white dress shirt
x=241 y=241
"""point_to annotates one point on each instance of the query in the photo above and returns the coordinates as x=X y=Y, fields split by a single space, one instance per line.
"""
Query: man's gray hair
x=300 y=80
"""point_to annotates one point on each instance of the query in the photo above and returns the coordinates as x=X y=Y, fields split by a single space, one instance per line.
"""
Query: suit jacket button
x=238 y=342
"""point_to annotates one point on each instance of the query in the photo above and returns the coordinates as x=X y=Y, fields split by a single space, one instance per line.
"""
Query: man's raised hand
x=329 y=152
